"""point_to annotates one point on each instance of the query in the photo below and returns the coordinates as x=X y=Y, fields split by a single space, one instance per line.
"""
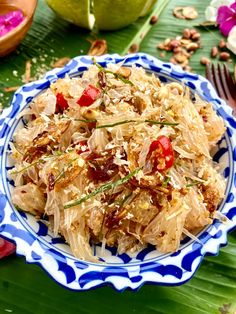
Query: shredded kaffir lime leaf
x=103 y=188
x=136 y=121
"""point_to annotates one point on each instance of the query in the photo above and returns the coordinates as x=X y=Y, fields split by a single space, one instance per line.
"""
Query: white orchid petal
x=218 y=3
x=231 y=41
x=210 y=14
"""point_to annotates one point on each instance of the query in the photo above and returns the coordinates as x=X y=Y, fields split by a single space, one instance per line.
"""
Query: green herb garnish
x=193 y=182
x=103 y=188
x=120 y=202
x=135 y=121
x=40 y=160
x=117 y=75
x=161 y=123
x=62 y=173
x=27 y=167
x=114 y=124
x=85 y=120
x=165 y=182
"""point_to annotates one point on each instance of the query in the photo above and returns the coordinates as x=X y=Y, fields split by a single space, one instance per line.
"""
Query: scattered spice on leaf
x=224 y=56
x=27 y=75
x=134 y=48
x=10 y=89
x=214 y=52
x=204 y=61
x=153 y=19
x=98 y=47
x=182 y=47
x=189 y=13
x=61 y=62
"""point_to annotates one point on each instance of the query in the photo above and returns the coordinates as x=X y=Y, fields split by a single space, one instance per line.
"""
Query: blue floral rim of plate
x=34 y=241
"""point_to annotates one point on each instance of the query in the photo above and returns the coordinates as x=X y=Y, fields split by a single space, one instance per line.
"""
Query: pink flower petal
x=226 y=27
x=233 y=6
x=226 y=18
x=6 y=248
x=223 y=14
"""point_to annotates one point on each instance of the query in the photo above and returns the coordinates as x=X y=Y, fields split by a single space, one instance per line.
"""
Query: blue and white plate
x=37 y=244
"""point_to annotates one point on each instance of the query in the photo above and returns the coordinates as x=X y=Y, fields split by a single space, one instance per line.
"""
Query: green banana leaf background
x=26 y=288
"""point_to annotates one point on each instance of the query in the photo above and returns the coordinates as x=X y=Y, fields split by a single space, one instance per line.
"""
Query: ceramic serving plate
x=37 y=244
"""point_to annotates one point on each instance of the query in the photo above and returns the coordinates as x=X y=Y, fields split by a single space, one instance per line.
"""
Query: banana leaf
x=26 y=288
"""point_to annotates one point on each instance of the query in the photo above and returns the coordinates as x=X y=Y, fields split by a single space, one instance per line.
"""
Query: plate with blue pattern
x=33 y=238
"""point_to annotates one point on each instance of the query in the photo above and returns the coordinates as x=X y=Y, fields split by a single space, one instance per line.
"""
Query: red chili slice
x=90 y=94
x=62 y=103
x=161 y=153
x=82 y=147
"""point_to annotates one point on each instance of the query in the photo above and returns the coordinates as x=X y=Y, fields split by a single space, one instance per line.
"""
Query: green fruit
x=74 y=11
x=111 y=15
x=107 y=14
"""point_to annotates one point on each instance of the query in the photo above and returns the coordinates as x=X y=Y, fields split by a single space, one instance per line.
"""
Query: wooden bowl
x=12 y=39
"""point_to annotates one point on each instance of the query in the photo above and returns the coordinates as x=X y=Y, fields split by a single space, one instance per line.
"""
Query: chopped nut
x=193 y=32
x=185 y=42
x=214 y=52
x=124 y=71
x=167 y=41
x=224 y=56
x=184 y=64
x=139 y=104
x=163 y=93
x=182 y=47
x=188 y=68
x=98 y=47
x=192 y=47
x=133 y=48
x=154 y=19
x=180 y=57
x=190 y=13
x=222 y=44
x=178 y=12
x=161 y=46
x=89 y=113
x=172 y=60
x=186 y=33
x=176 y=86
x=196 y=36
x=177 y=50
x=205 y=61
x=174 y=44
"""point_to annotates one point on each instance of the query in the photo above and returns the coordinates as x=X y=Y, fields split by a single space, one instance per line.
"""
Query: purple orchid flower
x=226 y=18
